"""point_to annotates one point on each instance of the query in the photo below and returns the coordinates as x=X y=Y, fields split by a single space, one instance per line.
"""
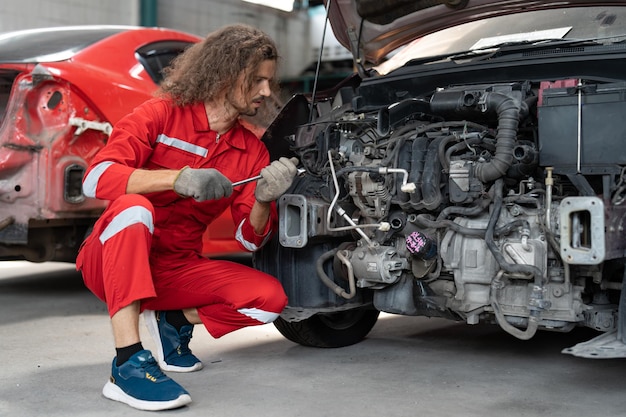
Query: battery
x=602 y=129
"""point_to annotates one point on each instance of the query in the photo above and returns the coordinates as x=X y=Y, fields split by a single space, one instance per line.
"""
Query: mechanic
x=168 y=170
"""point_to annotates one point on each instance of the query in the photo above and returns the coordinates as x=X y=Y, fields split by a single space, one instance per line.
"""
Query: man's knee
x=126 y=211
x=275 y=297
x=131 y=200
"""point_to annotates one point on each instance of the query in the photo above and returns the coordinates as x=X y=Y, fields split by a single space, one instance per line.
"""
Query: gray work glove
x=277 y=177
x=202 y=184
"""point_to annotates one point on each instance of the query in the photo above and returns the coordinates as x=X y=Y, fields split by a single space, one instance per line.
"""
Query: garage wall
x=289 y=30
x=27 y=14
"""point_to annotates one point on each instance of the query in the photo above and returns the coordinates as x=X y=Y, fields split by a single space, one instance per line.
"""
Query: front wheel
x=330 y=330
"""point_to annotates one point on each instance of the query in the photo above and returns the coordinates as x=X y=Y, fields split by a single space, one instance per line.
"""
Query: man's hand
x=277 y=177
x=202 y=184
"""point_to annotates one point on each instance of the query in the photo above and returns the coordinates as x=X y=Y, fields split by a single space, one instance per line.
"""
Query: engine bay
x=485 y=202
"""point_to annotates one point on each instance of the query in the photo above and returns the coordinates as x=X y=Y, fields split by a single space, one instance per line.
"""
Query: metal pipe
x=533 y=321
x=337 y=289
x=549 y=183
x=580 y=126
x=351 y=282
x=148 y=10
x=342 y=212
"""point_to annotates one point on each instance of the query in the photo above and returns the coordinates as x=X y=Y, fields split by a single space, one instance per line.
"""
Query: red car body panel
x=57 y=114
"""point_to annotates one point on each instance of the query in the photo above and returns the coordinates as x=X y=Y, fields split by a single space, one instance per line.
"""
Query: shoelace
x=151 y=367
x=184 y=339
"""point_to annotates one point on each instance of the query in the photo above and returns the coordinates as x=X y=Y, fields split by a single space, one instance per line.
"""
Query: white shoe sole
x=115 y=393
x=149 y=318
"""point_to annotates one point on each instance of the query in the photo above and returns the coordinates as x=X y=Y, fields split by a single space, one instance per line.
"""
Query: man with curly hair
x=168 y=170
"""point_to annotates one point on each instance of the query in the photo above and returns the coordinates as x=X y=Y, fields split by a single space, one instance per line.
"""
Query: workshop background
x=298 y=33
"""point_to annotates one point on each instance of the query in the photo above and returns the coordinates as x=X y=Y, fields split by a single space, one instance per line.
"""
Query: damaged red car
x=61 y=91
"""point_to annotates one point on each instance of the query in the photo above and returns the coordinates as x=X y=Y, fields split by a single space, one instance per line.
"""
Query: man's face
x=247 y=102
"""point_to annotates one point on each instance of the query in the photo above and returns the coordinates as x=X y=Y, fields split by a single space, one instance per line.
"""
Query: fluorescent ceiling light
x=286 y=5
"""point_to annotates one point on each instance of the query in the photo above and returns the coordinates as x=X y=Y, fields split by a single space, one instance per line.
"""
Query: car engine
x=486 y=202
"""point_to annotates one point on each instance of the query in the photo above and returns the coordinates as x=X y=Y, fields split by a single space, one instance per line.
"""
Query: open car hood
x=381 y=26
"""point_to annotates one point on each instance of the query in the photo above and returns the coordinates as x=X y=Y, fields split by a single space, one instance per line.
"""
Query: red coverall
x=148 y=247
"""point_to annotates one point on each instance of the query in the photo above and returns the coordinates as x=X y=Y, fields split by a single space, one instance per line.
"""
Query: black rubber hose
x=422 y=221
x=465 y=211
x=445 y=159
x=445 y=163
x=319 y=267
x=533 y=320
x=493 y=248
x=508 y=111
x=347 y=170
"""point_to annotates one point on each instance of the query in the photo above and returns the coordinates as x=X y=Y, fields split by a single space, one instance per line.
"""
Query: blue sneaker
x=173 y=351
x=140 y=383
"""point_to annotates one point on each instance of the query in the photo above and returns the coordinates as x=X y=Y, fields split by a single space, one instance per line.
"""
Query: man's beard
x=244 y=110
x=249 y=112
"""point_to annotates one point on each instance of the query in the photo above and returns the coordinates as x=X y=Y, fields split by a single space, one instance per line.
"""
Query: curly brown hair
x=209 y=68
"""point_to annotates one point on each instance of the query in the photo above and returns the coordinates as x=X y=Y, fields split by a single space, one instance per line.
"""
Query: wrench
x=301 y=171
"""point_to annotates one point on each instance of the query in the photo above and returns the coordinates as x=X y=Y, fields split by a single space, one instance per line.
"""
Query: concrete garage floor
x=56 y=349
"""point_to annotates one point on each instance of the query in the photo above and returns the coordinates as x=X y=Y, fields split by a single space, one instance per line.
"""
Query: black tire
x=330 y=330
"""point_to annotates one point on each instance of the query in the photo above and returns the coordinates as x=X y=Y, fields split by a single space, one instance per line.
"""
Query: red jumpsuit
x=148 y=247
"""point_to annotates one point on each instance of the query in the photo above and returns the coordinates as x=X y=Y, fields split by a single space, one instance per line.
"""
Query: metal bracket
x=582 y=216
x=293 y=221
x=83 y=125
x=605 y=346
x=608 y=345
